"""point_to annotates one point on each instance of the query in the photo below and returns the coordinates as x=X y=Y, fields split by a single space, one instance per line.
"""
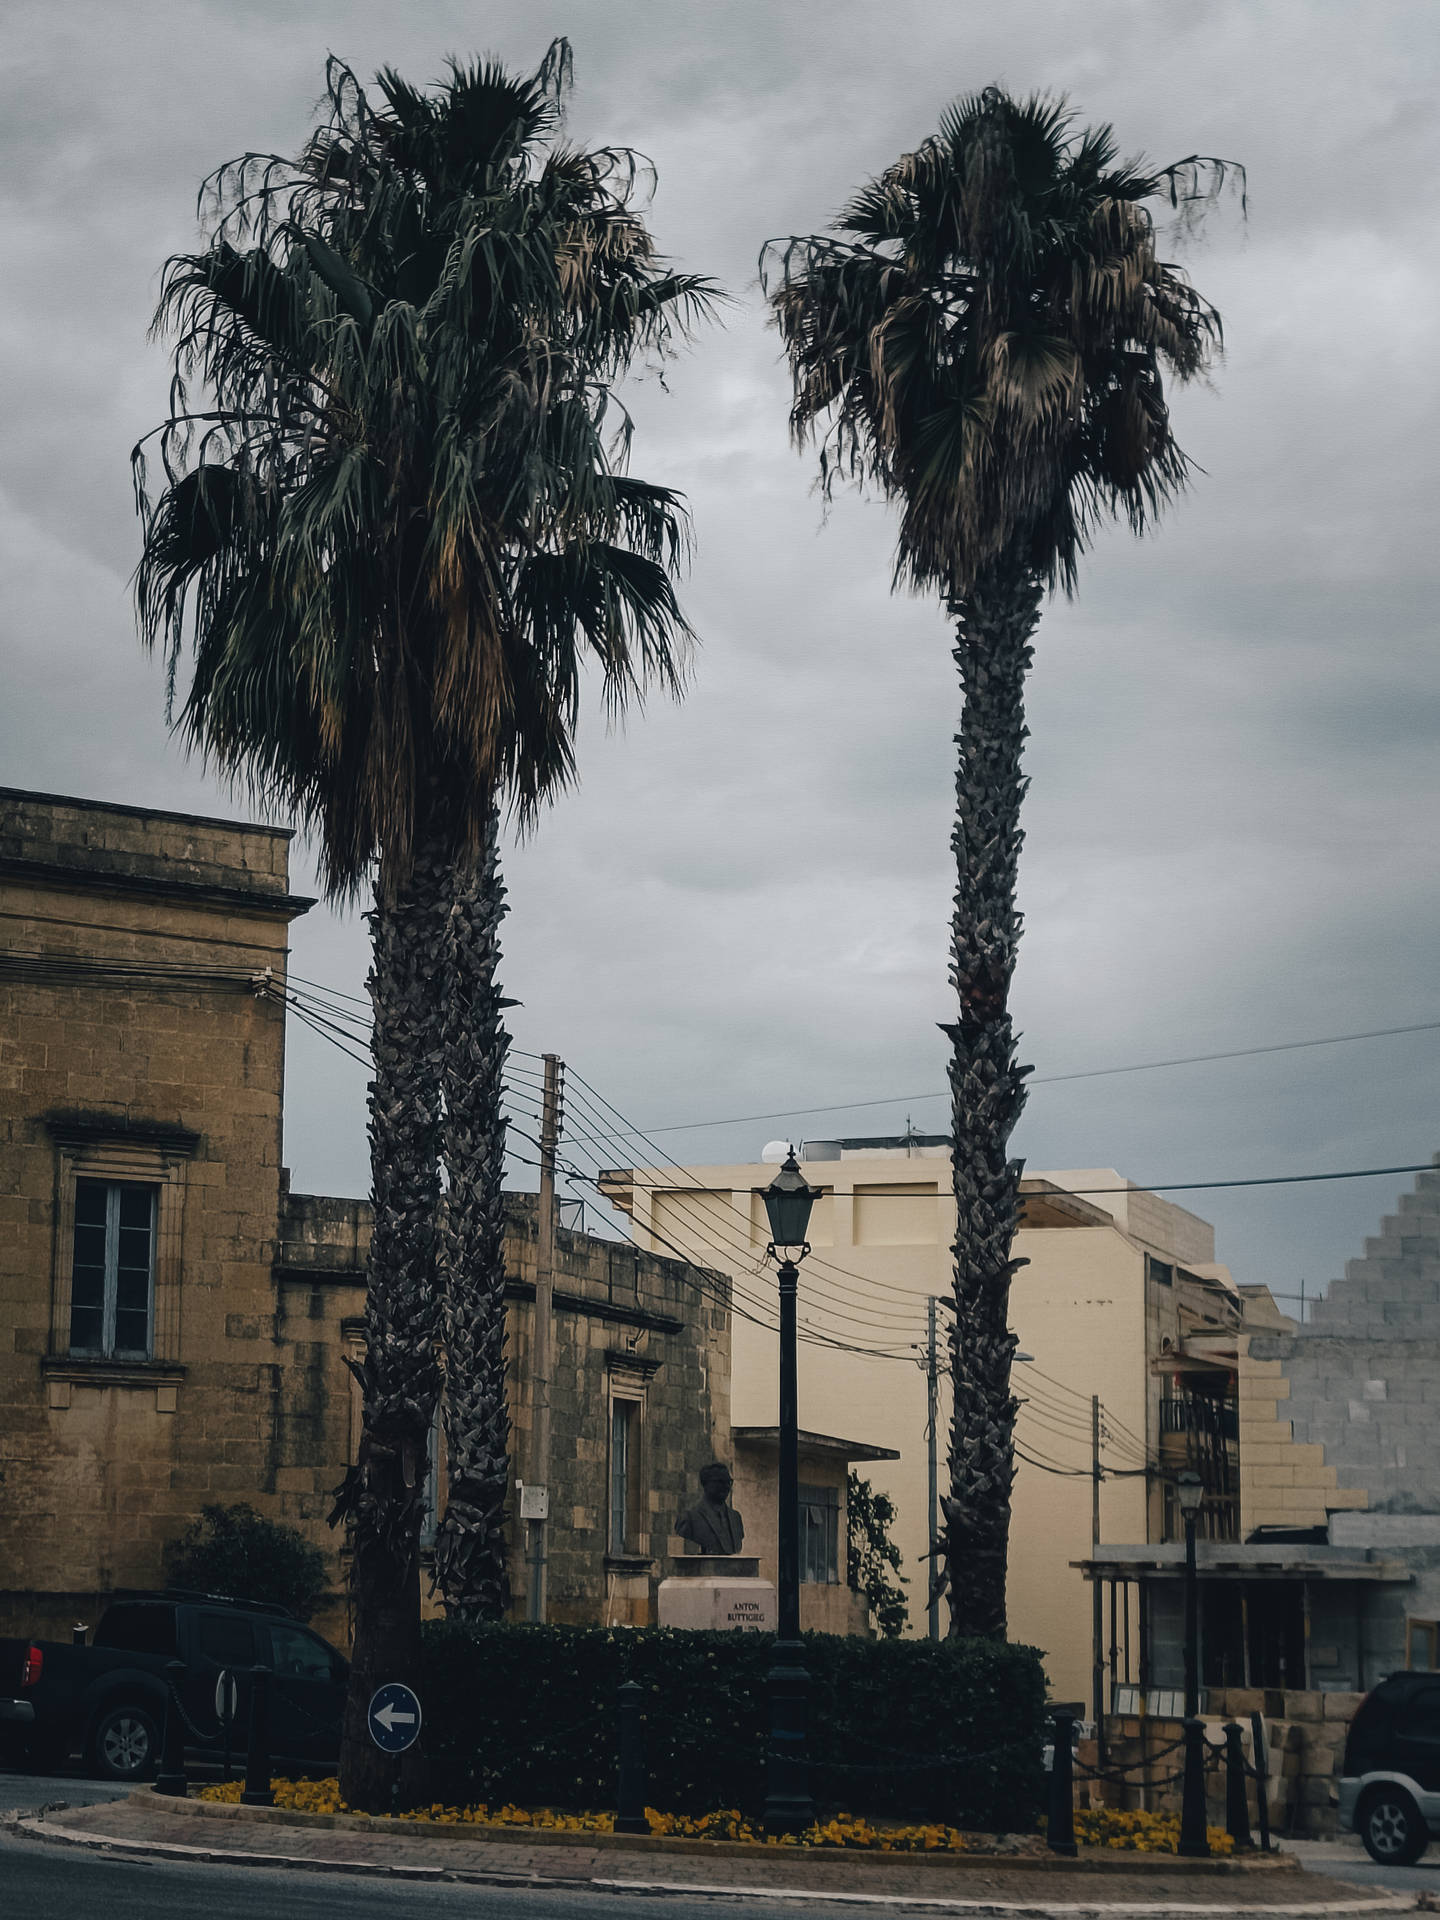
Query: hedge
x=917 y=1729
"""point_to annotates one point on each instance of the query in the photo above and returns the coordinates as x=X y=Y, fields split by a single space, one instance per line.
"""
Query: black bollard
x=1060 y=1826
x=1237 y=1810
x=257 y=1761
x=630 y=1799
x=171 y=1777
x=1194 y=1836
x=1262 y=1780
x=78 y=1633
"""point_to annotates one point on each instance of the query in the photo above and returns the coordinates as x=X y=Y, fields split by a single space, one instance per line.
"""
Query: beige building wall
x=134 y=1048
x=881 y=1238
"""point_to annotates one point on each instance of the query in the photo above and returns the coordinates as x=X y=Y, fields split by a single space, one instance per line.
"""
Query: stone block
x=1342 y=1706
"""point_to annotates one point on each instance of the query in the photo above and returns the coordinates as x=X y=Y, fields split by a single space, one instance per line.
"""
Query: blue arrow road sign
x=394 y=1717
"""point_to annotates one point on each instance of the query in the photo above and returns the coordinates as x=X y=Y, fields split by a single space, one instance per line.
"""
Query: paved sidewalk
x=1099 y=1884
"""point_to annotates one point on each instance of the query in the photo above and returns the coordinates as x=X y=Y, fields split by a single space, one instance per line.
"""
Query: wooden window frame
x=632 y=1543
x=121 y=1162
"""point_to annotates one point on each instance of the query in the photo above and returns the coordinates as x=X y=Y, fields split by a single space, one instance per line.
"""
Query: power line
x=609 y=1138
x=1056 y=1079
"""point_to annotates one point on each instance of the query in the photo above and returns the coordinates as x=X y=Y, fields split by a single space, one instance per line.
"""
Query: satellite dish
x=774 y=1153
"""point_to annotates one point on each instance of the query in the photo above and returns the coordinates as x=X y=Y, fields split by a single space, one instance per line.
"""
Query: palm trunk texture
x=993 y=652
x=383 y=1495
x=470 y=1562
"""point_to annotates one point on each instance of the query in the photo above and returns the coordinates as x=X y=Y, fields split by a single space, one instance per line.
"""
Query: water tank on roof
x=820 y=1150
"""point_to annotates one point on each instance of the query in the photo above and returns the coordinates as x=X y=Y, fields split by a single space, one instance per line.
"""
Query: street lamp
x=1194 y=1842
x=788 y=1805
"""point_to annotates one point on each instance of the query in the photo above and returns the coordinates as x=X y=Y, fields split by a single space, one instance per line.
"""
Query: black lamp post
x=788 y=1805
x=1194 y=1841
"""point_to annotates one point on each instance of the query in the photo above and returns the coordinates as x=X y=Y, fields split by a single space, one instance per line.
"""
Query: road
x=1352 y=1863
x=47 y=1882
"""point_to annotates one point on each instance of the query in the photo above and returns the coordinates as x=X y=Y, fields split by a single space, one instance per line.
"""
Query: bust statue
x=712 y=1523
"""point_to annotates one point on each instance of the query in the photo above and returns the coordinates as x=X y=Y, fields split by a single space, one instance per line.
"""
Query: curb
x=1093 y=1860
x=52 y=1833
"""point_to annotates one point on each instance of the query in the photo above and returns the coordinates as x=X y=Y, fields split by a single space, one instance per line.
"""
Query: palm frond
x=985 y=335
x=400 y=521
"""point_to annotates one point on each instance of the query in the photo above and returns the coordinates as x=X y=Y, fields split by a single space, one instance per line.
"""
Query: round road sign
x=394 y=1717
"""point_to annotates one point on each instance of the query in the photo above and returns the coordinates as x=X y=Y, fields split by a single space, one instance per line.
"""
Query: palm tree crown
x=985 y=335
x=401 y=522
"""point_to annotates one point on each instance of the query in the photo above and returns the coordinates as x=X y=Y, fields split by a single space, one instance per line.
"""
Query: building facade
x=174 y=1322
x=1114 y=1280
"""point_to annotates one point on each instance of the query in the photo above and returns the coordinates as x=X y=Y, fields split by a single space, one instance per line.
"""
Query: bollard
x=1262 y=1780
x=1237 y=1810
x=257 y=1760
x=171 y=1777
x=1060 y=1826
x=78 y=1633
x=1194 y=1837
x=630 y=1799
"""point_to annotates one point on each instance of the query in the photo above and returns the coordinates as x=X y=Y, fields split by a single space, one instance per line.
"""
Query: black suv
x=1390 y=1786
x=107 y=1700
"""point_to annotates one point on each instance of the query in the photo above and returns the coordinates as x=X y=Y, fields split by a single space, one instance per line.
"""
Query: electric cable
x=1056 y=1079
x=818 y=1263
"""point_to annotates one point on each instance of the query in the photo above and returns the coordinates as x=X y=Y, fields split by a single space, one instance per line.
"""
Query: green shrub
x=237 y=1551
x=528 y=1714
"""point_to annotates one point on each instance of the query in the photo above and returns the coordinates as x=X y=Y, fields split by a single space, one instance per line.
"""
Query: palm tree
x=388 y=543
x=982 y=336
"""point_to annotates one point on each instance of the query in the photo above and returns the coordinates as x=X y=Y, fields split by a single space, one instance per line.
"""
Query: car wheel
x=125 y=1744
x=1390 y=1826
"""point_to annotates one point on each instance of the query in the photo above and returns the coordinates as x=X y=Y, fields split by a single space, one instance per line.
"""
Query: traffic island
x=1024 y=1881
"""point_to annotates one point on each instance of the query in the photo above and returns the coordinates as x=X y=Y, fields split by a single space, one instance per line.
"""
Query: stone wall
x=133 y=1047
x=1304 y=1735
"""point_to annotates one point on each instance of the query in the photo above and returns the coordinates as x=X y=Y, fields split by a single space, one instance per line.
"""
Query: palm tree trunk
x=384 y=1493
x=470 y=1562
x=993 y=652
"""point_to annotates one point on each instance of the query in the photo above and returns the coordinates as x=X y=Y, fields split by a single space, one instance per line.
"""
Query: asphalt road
x=46 y=1882
x=1352 y=1863
x=25 y=1792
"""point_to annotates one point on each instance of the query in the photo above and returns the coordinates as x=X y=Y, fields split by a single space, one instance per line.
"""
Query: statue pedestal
x=717 y=1592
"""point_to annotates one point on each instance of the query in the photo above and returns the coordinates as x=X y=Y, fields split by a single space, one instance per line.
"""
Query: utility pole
x=1097 y=1616
x=932 y=1428
x=536 y=1496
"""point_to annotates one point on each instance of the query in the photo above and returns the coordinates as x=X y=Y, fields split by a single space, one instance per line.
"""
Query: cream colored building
x=1114 y=1282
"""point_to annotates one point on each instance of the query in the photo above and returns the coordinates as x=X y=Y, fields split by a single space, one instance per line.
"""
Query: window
x=138 y=1629
x=1159 y=1270
x=227 y=1639
x=298 y=1655
x=624 y=1531
x=1422 y=1645
x=112 y=1276
x=116 y=1255
x=820 y=1535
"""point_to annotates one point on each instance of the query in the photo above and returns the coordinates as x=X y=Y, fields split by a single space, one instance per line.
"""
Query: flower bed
x=1135 y=1832
x=843 y=1830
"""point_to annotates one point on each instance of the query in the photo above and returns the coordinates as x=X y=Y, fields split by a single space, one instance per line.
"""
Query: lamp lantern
x=788 y=1200
x=1190 y=1492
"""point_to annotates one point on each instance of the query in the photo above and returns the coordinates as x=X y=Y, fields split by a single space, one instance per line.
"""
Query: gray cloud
x=744 y=905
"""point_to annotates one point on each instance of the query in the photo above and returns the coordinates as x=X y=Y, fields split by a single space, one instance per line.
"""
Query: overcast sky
x=743 y=908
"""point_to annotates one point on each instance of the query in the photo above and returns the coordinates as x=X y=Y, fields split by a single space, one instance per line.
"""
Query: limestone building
x=1116 y=1282
x=174 y=1321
